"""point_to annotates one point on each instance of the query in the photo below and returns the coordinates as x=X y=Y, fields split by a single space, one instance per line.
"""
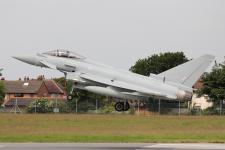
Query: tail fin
x=189 y=72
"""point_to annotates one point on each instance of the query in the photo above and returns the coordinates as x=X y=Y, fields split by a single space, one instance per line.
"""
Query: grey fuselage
x=75 y=67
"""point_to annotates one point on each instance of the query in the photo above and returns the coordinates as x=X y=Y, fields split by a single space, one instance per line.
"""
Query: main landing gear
x=122 y=106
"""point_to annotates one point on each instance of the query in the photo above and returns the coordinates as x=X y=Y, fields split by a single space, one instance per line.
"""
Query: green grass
x=111 y=128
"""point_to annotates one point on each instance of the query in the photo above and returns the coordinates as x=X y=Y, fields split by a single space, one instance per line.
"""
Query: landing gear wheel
x=70 y=97
x=119 y=106
x=127 y=106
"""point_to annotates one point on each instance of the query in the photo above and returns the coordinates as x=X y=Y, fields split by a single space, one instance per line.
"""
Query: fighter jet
x=92 y=76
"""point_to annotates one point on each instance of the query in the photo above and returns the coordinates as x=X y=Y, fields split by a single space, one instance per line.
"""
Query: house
x=202 y=102
x=24 y=92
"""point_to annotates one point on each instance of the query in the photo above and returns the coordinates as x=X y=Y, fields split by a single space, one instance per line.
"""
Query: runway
x=59 y=146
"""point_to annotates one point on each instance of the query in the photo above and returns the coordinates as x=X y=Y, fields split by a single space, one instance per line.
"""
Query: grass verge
x=111 y=128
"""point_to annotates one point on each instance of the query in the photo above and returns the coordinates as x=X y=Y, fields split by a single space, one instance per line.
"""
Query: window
x=18 y=95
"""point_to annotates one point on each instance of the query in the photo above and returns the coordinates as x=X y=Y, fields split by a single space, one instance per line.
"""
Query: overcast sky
x=115 y=32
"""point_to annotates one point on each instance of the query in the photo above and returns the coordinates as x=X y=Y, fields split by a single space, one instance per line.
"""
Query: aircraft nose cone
x=23 y=59
x=17 y=57
x=29 y=60
x=32 y=60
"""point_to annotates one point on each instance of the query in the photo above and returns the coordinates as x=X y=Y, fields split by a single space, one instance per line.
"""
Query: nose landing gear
x=70 y=97
x=122 y=106
x=73 y=93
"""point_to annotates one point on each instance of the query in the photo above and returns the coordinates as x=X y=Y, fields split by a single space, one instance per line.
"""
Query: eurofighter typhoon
x=173 y=84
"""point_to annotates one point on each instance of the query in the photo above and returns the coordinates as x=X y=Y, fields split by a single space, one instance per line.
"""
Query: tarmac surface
x=59 y=146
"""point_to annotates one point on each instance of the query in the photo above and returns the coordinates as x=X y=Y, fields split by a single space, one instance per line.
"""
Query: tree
x=67 y=85
x=2 y=92
x=158 y=63
x=214 y=84
x=39 y=106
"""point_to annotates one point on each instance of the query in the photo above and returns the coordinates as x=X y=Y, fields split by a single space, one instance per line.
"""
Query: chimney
x=41 y=77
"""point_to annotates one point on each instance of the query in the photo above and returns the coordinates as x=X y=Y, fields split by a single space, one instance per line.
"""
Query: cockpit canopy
x=64 y=53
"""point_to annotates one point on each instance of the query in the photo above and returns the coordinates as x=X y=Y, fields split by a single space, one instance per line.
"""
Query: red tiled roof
x=28 y=87
x=198 y=85
x=31 y=87
x=52 y=87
